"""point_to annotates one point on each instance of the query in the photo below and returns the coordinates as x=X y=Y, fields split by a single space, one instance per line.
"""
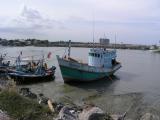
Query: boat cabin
x=100 y=57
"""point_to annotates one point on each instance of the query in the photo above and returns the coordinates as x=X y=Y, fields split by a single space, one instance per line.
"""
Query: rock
x=67 y=113
x=24 y=91
x=149 y=116
x=4 y=116
x=59 y=106
x=118 y=117
x=42 y=99
x=91 y=112
x=32 y=95
x=27 y=93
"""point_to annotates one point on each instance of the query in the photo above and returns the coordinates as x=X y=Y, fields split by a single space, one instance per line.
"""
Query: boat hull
x=28 y=79
x=4 y=69
x=78 y=72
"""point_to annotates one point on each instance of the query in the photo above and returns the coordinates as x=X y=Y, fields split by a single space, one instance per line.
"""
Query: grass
x=19 y=107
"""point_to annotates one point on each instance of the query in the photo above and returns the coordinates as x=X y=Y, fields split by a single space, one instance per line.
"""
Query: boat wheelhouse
x=100 y=57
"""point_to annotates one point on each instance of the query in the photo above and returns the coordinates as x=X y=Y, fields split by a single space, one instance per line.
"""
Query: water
x=135 y=88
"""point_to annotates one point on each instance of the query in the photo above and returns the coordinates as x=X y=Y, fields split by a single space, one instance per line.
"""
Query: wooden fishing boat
x=101 y=63
x=34 y=71
x=33 y=77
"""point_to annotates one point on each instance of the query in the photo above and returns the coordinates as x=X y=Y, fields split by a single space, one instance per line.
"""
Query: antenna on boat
x=69 y=48
x=93 y=27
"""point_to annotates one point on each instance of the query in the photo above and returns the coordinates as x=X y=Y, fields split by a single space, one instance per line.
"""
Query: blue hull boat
x=29 y=77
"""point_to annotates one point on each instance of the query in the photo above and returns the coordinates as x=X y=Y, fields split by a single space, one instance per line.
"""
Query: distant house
x=153 y=47
x=28 y=42
x=4 y=42
x=104 y=41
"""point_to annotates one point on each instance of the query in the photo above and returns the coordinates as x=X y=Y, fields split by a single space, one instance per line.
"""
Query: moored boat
x=33 y=71
x=101 y=63
x=32 y=77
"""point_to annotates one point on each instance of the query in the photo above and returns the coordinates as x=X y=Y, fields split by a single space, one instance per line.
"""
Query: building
x=104 y=41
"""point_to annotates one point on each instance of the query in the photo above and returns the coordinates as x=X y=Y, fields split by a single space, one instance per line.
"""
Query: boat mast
x=69 y=48
x=93 y=30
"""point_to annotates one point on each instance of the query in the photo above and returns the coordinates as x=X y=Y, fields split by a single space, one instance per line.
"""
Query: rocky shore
x=68 y=111
x=22 y=104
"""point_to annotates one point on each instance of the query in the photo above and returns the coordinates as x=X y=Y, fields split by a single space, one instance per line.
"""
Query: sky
x=131 y=21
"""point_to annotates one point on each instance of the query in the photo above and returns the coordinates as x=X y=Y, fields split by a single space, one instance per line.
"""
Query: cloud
x=30 y=14
x=30 y=21
x=34 y=19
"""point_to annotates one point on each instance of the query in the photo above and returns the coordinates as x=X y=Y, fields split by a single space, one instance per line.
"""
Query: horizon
x=133 y=22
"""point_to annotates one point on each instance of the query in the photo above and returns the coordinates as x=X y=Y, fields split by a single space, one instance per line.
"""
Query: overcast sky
x=133 y=21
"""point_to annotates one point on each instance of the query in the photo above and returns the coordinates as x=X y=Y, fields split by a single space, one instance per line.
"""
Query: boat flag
x=49 y=55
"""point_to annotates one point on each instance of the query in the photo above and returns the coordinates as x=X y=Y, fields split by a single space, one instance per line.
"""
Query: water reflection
x=100 y=86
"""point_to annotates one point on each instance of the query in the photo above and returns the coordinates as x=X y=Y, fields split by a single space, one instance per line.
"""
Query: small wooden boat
x=32 y=72
x=33 y=77
x=101 y=63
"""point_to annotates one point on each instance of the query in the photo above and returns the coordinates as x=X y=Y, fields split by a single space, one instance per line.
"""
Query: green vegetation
x=19 y=107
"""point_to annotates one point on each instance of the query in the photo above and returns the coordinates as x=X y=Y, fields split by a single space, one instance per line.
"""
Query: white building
x=104 y=41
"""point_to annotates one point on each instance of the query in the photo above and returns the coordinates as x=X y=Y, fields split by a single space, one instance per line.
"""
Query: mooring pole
x=69 y=48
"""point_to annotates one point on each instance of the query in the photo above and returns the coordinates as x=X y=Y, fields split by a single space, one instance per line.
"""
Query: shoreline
x=46 y=43
x=118 y=46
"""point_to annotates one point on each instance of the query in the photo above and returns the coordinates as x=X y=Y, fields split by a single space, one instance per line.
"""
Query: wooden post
x=50 y=105
x=69 y=48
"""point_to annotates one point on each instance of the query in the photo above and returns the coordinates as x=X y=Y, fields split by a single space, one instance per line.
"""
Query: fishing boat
x=34 y=71
x=102 y=63
x=33 y=77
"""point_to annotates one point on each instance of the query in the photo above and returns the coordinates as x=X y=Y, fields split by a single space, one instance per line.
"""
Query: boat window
x=95 y=55
x=91 y=54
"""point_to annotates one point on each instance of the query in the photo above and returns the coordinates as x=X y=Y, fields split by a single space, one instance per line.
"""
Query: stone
x=24 y=91
x=4 y=116
x=42 y=99
x=59 y=106
x=149 y=116
x=91 y=113
x=27 y=93
x=67 y=113
x=118 y=117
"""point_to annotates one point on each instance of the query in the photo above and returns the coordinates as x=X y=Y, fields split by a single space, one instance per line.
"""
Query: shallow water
x=135 y=87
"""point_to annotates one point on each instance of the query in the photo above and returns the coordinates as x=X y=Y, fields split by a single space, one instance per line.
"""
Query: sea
x=134 y=88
